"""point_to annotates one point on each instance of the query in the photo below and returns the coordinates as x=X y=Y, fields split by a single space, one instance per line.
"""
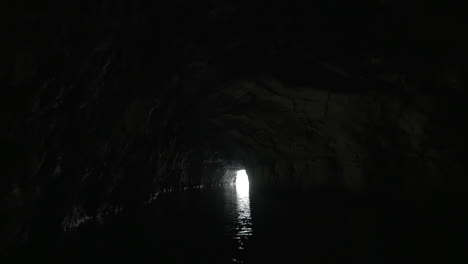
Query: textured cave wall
x=91 y=126
x=107 y=103
x=306 y=138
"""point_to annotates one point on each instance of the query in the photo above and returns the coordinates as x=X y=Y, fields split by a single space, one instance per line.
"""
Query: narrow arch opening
x=242 y=181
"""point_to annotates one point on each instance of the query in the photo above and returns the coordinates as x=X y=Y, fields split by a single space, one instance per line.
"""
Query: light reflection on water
x=244 y=221
x=240 y=228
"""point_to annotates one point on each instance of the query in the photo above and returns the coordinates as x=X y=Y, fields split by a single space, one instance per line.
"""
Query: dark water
x=207 y=226
x=222 y=225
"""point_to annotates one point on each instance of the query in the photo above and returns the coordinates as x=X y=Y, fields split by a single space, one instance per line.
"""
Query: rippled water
x=228 y=225
x=238 y=218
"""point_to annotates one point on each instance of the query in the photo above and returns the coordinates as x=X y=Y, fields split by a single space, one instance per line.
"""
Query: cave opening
x=242 y=181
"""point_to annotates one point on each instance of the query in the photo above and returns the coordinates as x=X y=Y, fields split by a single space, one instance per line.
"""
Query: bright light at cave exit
x=242 y=181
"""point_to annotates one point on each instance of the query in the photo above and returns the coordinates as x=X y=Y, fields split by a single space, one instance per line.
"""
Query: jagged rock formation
x=107 y=103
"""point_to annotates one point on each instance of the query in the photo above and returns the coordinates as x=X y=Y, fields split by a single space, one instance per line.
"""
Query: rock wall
x=366 y=142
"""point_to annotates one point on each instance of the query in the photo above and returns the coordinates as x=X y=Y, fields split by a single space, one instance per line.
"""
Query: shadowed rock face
x=107 y=103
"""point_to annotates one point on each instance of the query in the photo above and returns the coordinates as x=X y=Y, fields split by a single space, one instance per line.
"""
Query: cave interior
x=109 y=106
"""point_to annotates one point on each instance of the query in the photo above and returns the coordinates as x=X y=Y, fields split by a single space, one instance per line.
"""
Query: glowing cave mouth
x=242 y=181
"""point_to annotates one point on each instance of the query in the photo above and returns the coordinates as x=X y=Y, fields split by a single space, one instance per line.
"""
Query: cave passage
x=234 y=131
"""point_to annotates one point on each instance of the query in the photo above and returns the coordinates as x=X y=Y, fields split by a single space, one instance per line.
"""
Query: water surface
x=225 y=225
